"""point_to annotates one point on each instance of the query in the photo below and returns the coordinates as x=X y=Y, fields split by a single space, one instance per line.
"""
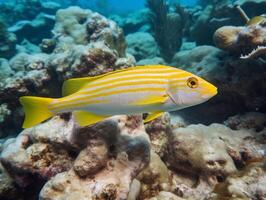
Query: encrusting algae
x=150 y=89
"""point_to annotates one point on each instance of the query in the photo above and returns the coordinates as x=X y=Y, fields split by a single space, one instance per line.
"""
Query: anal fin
x=85 y=118
x=153 y=116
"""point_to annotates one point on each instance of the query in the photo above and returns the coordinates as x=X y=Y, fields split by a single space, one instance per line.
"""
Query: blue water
x=129 y=5
x=110 y=6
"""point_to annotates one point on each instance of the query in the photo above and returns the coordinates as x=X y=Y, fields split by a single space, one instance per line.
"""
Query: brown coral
x=246 y=41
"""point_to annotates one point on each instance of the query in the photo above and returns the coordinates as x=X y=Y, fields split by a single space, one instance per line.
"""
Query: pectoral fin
x=152 y=99
x=153 y=116
x=85 y=118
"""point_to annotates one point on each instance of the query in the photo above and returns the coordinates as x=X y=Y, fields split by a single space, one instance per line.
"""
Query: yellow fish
x=150 y=89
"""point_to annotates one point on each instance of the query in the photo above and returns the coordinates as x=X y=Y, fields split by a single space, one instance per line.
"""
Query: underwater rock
x=118 y=149
x=213 y=151
x=28 y=162
x=228 y=74
x=8 y=189
x=166 y=196
x=214 y=17
x=7 y=42
x=50 y=7
x=134 y=190
x=14 y=11
x=141 y=45
x=91 y=60
x=247 y=184
x=85 y=26
x=42 y=74
x=108 y=155
x=31 y=76
x=246 y=41
x=101 y=161
x=226 y=37
x=35 y=30
x=158 y=130
x=133 y=22
x=151 y=61
x=27 y=47
x=71 y=21
x=251 y=120
x=5 y=70
x=48 y=45
x=154 y=178
x=5 y=112
x=200 y=157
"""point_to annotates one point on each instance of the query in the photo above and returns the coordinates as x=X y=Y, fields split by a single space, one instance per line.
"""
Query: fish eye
x=192 y=82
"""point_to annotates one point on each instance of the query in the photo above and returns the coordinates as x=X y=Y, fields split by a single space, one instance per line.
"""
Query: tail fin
x=36 y=110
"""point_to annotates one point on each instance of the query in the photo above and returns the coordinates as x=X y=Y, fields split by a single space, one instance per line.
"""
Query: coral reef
x=7 y=41
x=35 y=30
x=97 y=162
x=4 y=113
x=248 y=41
x=166 y=27
x=181 y=156
x=200 y=157
x=214 y=17
x=247 y=184
x=141 y=45
x=117 y=159
x=8 y=189
x=100 y=49
x=134 y=22
x=16 y=10
x=5 y=69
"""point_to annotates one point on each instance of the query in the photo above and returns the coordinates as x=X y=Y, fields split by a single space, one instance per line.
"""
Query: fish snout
x=210 y=91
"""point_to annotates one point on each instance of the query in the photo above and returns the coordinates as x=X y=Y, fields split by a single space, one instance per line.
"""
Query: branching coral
x=166 y=28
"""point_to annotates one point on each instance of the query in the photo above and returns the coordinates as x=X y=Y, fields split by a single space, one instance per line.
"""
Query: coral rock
x=213 y=150
x=84 y=44
x=247 y=184
x=242 y=41
x=154 y=178
x=8 y=189
x=141 y=45
x=166 y=196
x=158 y=131
x=133 y=22
x=81 y=162
x=226 y=36
x=84 y=26
x=91 y=160
x=35 y=30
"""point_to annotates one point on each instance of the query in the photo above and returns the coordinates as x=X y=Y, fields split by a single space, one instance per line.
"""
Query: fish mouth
x=254 y=52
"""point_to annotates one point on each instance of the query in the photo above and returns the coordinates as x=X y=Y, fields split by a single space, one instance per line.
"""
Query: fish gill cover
x=215 y=150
